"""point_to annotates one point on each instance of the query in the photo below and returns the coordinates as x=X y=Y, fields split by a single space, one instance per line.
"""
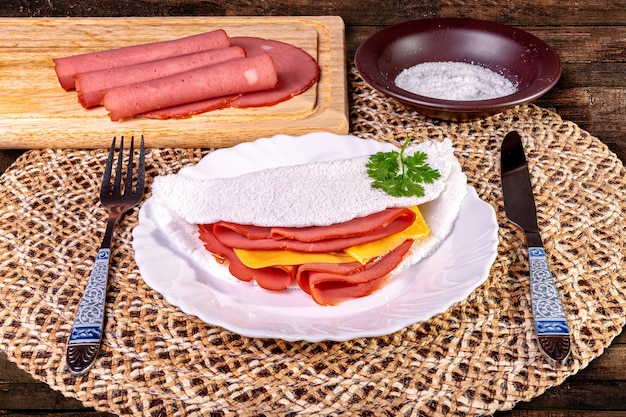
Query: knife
x=551 y=325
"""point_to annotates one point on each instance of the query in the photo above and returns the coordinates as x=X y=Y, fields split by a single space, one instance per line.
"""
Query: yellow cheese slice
x=417 y=230
x=360 y=253
x=262 y=258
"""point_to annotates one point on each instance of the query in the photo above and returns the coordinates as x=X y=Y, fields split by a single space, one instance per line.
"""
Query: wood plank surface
x=590 y=38
x=38 y=113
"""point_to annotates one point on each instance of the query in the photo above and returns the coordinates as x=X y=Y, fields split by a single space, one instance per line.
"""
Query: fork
x=86 y=335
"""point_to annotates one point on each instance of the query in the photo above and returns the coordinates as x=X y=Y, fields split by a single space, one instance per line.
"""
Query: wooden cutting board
x=35 y=112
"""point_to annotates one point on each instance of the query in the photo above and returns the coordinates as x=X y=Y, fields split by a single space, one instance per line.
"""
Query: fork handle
x=86 y=335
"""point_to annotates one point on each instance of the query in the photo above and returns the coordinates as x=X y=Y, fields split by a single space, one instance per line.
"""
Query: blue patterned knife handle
x=86 y=335
x=549 y=315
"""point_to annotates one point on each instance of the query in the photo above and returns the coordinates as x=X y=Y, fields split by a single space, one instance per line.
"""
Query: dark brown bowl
x=523 y=58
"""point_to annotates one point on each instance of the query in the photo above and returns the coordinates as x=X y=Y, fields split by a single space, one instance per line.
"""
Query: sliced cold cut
x=91 y=85
x=316 y=238
x=232 y=77
x=297 y=72
x=271 y=278
x=67 y=67
x=327 y=283
x=187 y=110
x=223 y=240
x=330 y=284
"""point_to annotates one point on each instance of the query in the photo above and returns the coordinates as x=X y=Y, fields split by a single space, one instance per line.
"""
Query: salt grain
x=454 y=81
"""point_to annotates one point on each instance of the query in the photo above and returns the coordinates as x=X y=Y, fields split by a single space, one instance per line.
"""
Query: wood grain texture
x=39 y=114
x=355 y=13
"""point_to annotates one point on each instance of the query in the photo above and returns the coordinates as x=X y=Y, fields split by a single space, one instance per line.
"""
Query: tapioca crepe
x=315 y=194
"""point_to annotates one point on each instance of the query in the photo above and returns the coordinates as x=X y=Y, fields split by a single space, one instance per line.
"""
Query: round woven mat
x=478 y=357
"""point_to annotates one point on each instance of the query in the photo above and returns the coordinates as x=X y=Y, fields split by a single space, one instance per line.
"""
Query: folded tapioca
x=324 y=227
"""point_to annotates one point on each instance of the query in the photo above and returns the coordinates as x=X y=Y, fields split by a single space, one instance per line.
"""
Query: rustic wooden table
x=590 y=38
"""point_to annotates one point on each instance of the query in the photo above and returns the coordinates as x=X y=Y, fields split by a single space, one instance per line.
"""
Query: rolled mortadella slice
x=191 y=109
x=91 y=85
x=297 y=71
x=67 y=67
x=232 y=77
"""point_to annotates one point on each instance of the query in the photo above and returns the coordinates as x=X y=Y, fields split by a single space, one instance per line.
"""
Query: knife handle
x=549 y=315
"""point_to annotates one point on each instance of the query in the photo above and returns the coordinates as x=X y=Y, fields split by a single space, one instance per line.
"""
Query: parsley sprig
x=399 y=175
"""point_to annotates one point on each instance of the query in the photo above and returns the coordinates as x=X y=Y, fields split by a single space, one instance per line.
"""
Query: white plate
x=449 y=275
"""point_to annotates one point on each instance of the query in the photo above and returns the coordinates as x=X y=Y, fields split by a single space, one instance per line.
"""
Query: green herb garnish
x=399 y=175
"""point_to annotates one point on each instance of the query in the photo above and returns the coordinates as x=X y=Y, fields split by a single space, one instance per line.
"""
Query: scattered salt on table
x=454 y=81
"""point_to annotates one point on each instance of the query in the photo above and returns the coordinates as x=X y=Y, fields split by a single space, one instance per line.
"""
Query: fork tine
x=108 y=168
x=141 y=169
x=118 y=170
x=128 y=184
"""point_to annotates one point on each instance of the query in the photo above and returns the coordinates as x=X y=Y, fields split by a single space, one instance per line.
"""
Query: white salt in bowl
x=525 y=60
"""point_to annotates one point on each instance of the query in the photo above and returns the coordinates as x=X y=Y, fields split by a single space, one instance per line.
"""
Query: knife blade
x=551 y=326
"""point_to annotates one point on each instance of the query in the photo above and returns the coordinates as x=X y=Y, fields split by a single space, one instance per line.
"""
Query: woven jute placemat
x=478 y=357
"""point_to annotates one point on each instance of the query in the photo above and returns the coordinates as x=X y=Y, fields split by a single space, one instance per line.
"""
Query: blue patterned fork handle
x=86 y=335
x=550 y=320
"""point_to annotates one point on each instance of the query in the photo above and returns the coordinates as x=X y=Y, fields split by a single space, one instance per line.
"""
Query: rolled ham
x=232 y=77
x=91 y=85
x=297 y=72
x=67 y=67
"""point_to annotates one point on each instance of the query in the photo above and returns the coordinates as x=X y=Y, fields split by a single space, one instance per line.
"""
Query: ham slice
x=190 y=109
x=316 y=238
x=297 y=72
x=356 y=279
x=330 y=284
x=91 y=85
x=271 y=278
x=67 y=67
x=232 y=77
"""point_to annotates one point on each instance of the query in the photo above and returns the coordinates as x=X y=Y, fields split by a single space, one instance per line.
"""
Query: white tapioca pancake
x=315 y=194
